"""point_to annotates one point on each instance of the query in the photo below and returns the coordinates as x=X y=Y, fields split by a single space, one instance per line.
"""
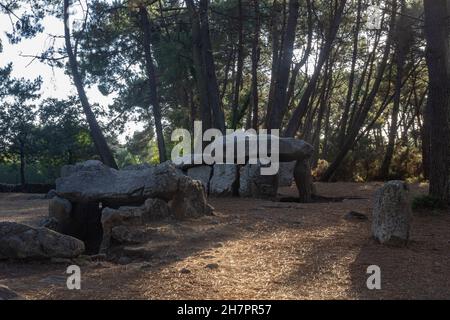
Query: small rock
x=212 y=266
x=51 y=194
x=49 y=223
x=61 y=261
x=353 y=215
x=146 y=265
x=185 y=271
x=98 y=257
x=54 y=280
x=124 y=260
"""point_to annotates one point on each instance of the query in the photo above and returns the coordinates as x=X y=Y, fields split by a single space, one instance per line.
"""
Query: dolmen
x=93 y=202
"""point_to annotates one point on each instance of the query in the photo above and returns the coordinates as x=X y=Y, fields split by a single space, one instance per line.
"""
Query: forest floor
x=252 y=249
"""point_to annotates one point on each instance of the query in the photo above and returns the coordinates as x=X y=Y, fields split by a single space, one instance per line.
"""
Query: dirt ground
x=252 y=249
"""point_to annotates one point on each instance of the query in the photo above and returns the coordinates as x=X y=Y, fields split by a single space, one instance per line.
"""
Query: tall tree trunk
x=368 y=102
x=255 y=60
x=218 y=116
x=212 y=113
x=279 y=103
x=438 y=56
x=351 y=79
x=402 y=43
x=240 y=64
x=151 y=77
x=23 y=181
x=96 y=133
x=302 y=108
x=197 y=56
x=275 y=37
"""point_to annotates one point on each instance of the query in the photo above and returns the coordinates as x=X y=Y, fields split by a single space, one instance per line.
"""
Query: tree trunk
x=351 y=80
x=279 y=103
x=151 y=78
x=438 y=55
x=212 y=113
x=360 y=118
x=302 y=108
x=96 y=133
x=402 y=43
x=23 y=181
x=240 y=64
x=255 y=60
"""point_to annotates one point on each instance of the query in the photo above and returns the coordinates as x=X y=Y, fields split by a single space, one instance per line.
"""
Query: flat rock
x=19 y=241
x=93 y=181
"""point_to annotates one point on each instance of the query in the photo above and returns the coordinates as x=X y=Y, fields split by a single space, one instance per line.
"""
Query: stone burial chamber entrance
x=97 y=204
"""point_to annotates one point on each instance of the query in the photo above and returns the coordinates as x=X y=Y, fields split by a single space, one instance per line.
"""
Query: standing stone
x=286 y=174
x=60 y=209
x=123 y=216
x=392 y=213
x=224 y=181
x=202 y=173
x=253 y=184
x=190 y=201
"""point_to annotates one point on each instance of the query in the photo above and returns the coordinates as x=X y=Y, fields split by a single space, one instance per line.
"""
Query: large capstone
x=19 y=241
x=96 y=182
x=392 y=213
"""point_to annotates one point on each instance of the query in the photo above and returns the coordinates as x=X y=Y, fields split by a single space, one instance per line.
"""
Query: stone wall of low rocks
x=241 y=180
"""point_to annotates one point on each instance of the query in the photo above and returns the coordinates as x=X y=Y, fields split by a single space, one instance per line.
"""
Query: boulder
x=224 y=181
x=202 y=173
x=60 y=210
x=128 y=235
x=19 y=241
x=190 y=201
x=286 y=174
x=49 y=223
x=51 y=194
x=123 y=216
x=7 y=294
x=392 y=213
x=93 y=181
x=155 y=209
x=253 y=184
